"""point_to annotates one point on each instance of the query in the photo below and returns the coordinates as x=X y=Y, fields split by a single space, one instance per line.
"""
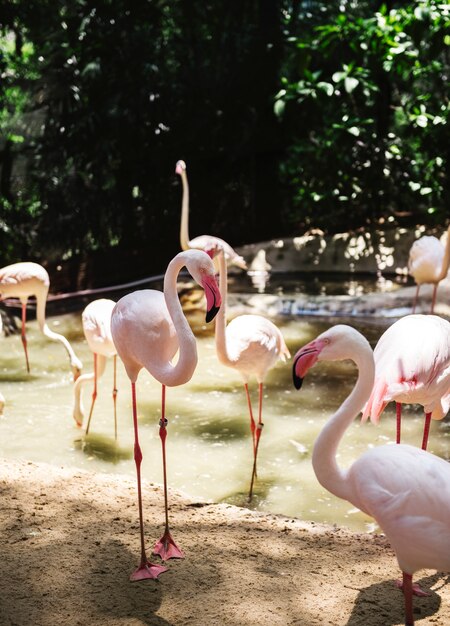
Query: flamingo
x=96 y=320
x=428 y=262
x=405 y=489
x=25 y=279
x=252 y=345
x=202 y=242
x=412 y=365
x=148 y=327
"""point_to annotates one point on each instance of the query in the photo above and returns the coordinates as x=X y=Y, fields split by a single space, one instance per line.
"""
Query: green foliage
x=371 y=108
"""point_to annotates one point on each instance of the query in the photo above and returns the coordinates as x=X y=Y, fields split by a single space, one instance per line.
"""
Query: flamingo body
x=428 y=262
x=201 y=242
x=412 y=366
x=405 y=489
x=96 y=322
x=25 y=279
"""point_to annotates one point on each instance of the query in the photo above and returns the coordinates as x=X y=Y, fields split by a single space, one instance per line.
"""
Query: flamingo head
x=201 y=268
x=335 y=344
x=180 y=167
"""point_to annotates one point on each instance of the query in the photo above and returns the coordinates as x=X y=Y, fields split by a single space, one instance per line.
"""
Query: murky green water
x=208 y=445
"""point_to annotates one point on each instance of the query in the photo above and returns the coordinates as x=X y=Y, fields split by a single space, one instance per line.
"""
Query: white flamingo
x=250 y=344
x=25 y=279
x=428 y=262
x=405 y=489
x=148 y=328
x=96 y=321
x=202 y=242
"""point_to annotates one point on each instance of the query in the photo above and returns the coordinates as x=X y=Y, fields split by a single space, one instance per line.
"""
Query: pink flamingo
x=148 y=327
x=252 y=345
x=412 y=366
x=405 y=489
x=428 y=262
x=96 y=321
x=202 y=242
x=25 y=279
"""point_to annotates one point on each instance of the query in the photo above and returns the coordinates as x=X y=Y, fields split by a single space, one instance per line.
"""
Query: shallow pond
x=208 y=445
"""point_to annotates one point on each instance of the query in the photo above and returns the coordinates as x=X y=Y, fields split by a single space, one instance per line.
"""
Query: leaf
x=350 y=84
x=422 y=121
x=338 y=76
x=354 y=130
x=326 y=87
x=279 y=107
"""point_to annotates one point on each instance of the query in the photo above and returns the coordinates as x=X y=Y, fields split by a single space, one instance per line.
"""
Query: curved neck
x=324 y=463
x=168 y=374
x=78 y=408
x=184 y=226
x=446 y=260
x=41 y=300
x=221 y=317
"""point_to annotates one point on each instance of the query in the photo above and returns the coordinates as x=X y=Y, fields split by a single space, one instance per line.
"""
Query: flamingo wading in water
x=96 y=321
x=250 y=344
x=202 y=242
x=412 y=366
x=428 y=262
x=405 y=489
x=25 y=279
x=148 y=328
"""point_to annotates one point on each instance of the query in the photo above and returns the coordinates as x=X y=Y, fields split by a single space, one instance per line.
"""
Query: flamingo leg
x=408 y=593
x=24 y=336
x=398 y=411
x=94 y=395
x=252 y=420
x=165 y=547
x=114 y=395
x=426 y=430
x=146 y=569
x=258 y=432
x=433 y=300
x=416 y=297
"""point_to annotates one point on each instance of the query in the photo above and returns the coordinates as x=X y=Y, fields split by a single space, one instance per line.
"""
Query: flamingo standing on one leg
x=202 y=242
x=148 y=328
x=22 y=280
x=405 y=489
x=250 y=344
x=428 y=262
x=412 y=366
x=96 y=320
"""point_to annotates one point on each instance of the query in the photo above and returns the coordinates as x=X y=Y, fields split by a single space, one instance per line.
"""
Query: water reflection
x=208 y=446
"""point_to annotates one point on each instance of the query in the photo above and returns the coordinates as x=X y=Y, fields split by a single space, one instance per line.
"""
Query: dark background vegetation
x=290 y=116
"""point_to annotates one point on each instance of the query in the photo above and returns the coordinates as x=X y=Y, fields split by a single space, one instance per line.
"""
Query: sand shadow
x=387 y=601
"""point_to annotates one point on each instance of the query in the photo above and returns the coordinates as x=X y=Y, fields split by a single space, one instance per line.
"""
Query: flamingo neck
x=78 y=408
x=221 y=317
x=446 y=260
x=172 y=375
x=184 y=226
x=41 y=301
x=324 y=463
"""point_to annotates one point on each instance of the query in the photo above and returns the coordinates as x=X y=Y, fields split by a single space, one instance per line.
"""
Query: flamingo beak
x=213 y=297
x=304 y=359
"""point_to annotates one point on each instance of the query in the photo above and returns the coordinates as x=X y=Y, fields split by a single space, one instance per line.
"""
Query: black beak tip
x=298 y=382
x=211 y=314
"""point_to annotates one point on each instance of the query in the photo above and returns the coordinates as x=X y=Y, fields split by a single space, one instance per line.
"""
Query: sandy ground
x=70 y=539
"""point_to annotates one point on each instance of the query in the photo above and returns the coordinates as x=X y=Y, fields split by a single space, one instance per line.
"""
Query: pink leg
x=145 y=569
x=398 y=410
x=416 y=297
x=94 y=395
x=258 y=432
x=165 y=547
x=433 y=301
x=114 y=395
x=252 y=420
x=426 y=431
x=408 y=593
x=24 y=336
